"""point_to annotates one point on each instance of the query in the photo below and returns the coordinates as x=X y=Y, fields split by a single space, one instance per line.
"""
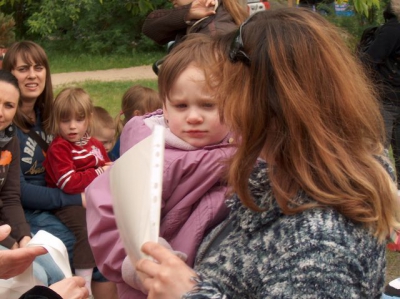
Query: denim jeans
x=45 y=269
x=45 y=220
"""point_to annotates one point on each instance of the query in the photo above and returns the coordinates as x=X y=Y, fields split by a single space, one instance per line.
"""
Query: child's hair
x=194 y=51
x=137 y=100
x=237 y=9
x=101 y=119
x=70 y=101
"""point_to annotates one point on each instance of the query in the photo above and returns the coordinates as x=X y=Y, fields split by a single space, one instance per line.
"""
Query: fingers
x=4 y=231
x=80 y=281
x=34 y=251
x=155 y=250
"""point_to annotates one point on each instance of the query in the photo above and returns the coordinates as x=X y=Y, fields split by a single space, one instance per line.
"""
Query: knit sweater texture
x=314 y=254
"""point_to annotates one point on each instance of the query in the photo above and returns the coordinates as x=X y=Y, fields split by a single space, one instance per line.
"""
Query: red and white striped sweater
x=71 y=167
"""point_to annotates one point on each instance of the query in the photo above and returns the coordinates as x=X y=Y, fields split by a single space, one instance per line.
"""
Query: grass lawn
x=393 y=265
x=108 y=94
x=72 y=62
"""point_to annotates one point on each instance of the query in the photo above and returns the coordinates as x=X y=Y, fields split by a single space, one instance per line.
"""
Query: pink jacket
x=192 y=199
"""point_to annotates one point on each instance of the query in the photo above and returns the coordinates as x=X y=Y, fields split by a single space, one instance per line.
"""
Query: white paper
x=14 y=287
x=136 y=186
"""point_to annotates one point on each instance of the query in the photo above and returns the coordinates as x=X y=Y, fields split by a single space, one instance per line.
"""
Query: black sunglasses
x=236 y=52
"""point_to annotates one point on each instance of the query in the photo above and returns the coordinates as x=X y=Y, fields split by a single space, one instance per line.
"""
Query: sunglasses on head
x=236 y=52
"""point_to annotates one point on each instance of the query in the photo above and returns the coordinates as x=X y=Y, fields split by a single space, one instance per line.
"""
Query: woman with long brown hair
x=28 y=62
x=314 y=190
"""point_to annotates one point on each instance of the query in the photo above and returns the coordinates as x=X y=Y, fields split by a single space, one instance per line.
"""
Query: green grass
x=72 y=62
x=392 y=265
x=108 y=94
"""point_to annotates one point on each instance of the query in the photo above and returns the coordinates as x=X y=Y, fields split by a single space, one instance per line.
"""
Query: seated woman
x=11 y=211
x=29 y=64
x=314 y=190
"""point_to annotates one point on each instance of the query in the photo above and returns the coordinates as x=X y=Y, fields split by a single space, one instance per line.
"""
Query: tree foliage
x=7 y=27
x=94 y=26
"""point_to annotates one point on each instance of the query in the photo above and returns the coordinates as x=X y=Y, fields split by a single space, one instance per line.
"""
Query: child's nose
x=194 y=116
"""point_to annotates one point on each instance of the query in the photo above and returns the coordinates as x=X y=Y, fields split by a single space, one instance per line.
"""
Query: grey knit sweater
x=314 y=254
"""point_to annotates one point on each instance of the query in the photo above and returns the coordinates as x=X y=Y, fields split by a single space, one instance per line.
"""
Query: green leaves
x=365 y=6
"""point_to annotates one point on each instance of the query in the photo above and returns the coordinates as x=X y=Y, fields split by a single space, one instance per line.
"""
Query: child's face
x=192 y=111
x=177 y=3
x=105 y=136
x=73 y=128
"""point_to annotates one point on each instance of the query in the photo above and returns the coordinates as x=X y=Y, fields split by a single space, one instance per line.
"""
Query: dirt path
x=132 y=73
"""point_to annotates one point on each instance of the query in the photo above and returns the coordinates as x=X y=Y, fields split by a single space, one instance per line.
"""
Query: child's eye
x=208 y=105
x=180 y=105
x=65 y=120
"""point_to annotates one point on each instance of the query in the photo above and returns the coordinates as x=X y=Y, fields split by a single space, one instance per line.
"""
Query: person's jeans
x=45 y=269
x=45 y=220
x=391 y=117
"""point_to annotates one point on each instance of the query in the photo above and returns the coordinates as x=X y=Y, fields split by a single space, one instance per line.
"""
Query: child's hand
x=201 y=9
x=105 y=167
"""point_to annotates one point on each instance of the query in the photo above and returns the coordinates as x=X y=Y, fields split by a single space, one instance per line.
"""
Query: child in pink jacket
x=197 y=144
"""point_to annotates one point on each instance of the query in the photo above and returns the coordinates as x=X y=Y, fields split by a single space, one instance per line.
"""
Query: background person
x=200 y=16
x=11 y=211
x=74 y=159
x=29 y=64
x=386 y=47
x=314 y=189
x=103 y=128
x=136 y=101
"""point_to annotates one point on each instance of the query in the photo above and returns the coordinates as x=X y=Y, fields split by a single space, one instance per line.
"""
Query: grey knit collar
x=6 y=135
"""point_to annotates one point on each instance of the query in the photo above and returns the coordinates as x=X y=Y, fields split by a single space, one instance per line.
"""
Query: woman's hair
x=7 y=77
x=137 y=100
x=31 y=53
x=237 y=9
x=195 y=51
x=304 y=104
x=71 y=101
x=101 y=119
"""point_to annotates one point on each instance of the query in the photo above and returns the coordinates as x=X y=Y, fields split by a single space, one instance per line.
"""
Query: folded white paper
x=136 y=186
x=14 y=287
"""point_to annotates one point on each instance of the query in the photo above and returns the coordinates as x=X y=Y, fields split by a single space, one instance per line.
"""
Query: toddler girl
x=196 y=145
x=136 y=101
x=73 y=161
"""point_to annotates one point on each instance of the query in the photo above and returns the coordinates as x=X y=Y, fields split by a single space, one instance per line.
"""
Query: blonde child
x=73 y=161
x=104 y=129
x=136 y=101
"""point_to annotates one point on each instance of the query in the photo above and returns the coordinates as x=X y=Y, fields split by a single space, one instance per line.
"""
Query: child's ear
x=137 y=113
